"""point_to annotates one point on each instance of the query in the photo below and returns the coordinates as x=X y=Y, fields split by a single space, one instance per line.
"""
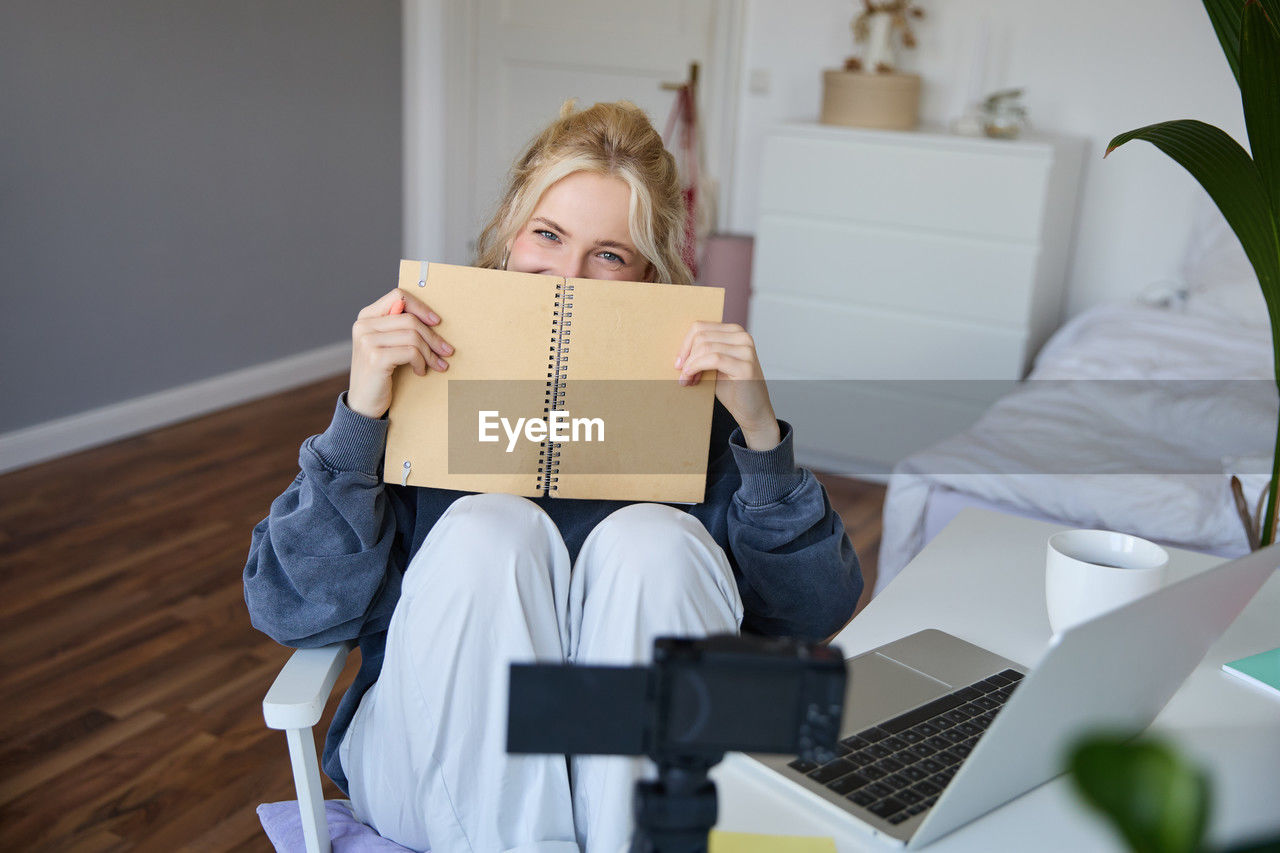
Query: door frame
x=721 y=85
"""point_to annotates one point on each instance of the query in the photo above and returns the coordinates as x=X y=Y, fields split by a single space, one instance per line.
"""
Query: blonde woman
x=443 y=590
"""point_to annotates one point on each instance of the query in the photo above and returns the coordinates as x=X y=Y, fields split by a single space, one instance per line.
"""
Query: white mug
x=1088 y=572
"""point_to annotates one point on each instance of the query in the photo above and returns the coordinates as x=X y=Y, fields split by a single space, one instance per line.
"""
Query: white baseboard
x=30 y=445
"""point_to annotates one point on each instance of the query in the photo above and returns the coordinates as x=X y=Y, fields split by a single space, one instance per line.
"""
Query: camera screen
x=734 y=708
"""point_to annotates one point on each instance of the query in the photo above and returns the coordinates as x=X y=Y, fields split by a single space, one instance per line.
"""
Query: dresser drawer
x=850 y=264
x=974 y=189
x=808 y=338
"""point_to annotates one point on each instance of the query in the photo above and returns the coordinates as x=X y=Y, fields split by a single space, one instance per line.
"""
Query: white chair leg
x=306 y=778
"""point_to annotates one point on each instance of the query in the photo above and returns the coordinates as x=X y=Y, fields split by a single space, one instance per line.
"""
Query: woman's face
x=579 y=229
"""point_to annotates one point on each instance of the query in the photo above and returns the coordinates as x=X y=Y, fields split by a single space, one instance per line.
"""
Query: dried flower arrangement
x=875 y=26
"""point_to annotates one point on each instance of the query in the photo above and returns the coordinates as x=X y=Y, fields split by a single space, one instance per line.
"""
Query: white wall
x=1092 y=68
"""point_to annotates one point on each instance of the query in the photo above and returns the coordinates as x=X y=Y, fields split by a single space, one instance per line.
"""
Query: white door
x=527 y=57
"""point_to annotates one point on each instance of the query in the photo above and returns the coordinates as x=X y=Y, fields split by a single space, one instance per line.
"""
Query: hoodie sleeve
x=798 y=573
x=327 y=560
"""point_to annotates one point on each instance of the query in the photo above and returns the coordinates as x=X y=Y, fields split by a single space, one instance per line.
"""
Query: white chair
x=294 y=703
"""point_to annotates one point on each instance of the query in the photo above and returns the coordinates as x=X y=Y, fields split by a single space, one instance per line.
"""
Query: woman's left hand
x=729 y=350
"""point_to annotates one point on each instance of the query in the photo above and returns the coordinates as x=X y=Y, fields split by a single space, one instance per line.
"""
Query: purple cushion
x=283 y=824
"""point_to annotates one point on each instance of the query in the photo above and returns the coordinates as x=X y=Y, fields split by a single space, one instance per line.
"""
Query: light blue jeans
x=425 y=754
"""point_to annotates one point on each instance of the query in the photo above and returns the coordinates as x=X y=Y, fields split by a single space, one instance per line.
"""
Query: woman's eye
x=547 y=235
x=612 y=258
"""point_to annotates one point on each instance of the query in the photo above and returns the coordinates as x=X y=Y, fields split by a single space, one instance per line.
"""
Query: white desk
x=982 y=579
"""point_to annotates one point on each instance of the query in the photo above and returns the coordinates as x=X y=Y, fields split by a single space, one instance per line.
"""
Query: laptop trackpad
x=880 y=688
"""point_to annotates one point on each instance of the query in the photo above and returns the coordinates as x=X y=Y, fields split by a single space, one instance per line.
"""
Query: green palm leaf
x=1232 y=180
x=1226 y=16
x=1259 y=72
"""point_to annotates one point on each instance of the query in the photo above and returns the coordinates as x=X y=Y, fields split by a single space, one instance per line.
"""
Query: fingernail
x=432 y=317
x=679 y=359
x=448 y=350
x=440 y=364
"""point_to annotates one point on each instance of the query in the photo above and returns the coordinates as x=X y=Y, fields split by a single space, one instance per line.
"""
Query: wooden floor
x=132 y=681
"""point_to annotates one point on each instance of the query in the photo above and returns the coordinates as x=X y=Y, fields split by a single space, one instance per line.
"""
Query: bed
x=1134 y=418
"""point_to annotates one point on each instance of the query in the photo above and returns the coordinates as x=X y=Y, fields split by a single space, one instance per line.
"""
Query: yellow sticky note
x=747 y=842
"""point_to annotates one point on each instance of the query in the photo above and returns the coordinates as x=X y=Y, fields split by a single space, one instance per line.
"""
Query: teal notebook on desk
x=1262 y=670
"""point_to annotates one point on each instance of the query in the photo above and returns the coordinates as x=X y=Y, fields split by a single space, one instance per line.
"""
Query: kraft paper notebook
x=599 y=353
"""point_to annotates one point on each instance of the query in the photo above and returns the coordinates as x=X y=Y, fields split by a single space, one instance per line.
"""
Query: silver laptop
x=938 y=731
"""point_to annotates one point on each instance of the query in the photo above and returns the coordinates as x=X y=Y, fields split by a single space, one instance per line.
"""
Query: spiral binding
x=557 y=357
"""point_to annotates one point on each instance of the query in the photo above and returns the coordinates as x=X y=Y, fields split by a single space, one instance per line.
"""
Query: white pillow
x=1220 y=280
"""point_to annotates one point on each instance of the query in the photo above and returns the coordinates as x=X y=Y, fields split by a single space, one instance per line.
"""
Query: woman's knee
x=486 y=511
x=657 y=546
x=482 y=540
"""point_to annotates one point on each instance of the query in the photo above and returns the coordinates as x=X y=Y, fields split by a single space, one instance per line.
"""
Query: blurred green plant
x=1157 y=801
x=1246 y=189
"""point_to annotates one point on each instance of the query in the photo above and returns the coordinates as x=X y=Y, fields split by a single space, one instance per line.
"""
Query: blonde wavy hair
x=613 y=139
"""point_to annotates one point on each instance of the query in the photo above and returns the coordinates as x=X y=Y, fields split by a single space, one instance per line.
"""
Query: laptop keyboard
x=899 y=768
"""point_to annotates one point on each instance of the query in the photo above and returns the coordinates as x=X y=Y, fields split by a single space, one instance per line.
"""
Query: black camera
x=699 y=699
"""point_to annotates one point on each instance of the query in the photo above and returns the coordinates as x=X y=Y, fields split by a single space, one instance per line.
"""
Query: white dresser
x=902 y=281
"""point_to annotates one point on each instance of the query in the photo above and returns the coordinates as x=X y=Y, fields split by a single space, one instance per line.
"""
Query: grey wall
x=188 y=187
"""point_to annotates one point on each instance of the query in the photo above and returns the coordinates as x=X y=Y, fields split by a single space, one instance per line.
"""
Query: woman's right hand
x=393 y=331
